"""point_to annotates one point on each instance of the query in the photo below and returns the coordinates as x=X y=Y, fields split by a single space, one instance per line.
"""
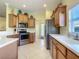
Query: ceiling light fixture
x=45 y=5
x=24 y=5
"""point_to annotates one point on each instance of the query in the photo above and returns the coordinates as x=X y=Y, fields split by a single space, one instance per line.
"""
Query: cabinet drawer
x=61 y=48
x=54 y=41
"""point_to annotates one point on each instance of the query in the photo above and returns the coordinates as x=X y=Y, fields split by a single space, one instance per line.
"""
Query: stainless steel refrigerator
x=49 y=29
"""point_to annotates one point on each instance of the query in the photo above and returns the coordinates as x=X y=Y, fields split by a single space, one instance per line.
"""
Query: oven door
x=24 y=36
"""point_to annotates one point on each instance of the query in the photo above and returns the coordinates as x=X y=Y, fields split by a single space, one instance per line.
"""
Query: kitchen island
x=64 y=47
x=8 y=48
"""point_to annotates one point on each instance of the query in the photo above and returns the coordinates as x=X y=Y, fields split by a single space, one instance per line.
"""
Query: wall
x=48 y=14
x=9 y=10
x=6 y=22
x=70 y=4
x=39 y=19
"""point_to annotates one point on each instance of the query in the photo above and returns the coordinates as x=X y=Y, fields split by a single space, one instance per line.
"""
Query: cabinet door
x=60 y=55
x=15 y=21
x=54 y=49
x=25 y=19
x=51 y=47
x=31 y=23
x=57 y=18
x=71 y=55
x=61 y=48
x=62 y=16
x=21 y=18
x=31 y=37
x=12 y=20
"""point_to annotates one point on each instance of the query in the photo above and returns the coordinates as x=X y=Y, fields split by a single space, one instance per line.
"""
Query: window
x=74 y=19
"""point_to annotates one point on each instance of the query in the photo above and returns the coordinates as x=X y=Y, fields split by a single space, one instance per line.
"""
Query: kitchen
x=63 y=45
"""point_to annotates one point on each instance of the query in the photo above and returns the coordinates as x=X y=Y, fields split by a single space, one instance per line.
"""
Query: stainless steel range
x=23 y=34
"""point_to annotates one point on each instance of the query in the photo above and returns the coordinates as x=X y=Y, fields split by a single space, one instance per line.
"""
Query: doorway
x=42 y=31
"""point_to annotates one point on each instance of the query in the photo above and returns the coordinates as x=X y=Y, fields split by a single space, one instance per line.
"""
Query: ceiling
x=31 y=5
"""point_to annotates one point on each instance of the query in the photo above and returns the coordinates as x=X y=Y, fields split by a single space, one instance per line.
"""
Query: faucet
x=77 y=36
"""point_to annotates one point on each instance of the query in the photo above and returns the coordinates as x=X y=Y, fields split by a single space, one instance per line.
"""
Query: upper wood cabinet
x=31 y=23
x=13 y=19
x=60 y=16
x=23 y=18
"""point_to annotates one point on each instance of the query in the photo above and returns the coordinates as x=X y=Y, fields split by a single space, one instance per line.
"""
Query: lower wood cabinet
x=54 y=52
x=53 y=49
x=51 y=46
x=71 y=55
x=60 y=55
x=59 y=51
x=31 y=37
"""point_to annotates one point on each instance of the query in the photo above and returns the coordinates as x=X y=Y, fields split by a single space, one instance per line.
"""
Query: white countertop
x=68 y=42
x=4 y=41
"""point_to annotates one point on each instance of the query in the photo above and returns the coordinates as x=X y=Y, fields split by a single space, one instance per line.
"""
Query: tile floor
x=36 y=50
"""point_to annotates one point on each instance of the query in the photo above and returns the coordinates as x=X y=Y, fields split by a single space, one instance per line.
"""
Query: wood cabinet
x=59 y=51
x=54 y=51
x=31 y=37
x=71 y=55
x=51 y=46
x=13 y=19
x=57 y=18
x=31 y=23
x=61 y=48
x=60 y=55
x=60 y=16
x=23 y=18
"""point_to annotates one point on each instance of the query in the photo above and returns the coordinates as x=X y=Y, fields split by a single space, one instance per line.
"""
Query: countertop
x=4 y=41
x=68 y=42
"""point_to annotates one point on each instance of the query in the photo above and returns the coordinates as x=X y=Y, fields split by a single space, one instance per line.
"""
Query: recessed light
x=24 y=5
x=45 y=5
